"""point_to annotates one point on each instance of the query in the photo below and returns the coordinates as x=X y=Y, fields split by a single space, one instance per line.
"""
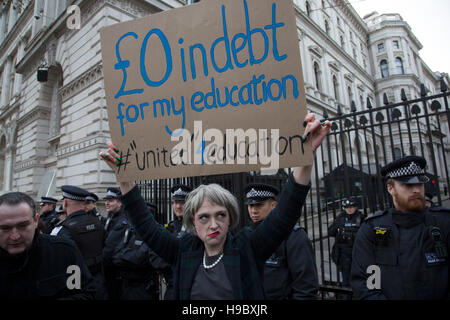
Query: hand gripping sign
x=210 y=88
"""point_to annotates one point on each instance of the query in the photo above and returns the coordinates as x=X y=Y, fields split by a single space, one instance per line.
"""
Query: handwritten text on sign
x=232 y=65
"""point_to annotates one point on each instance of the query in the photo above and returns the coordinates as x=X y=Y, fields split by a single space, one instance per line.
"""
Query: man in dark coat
x=290 y=272
x=178 y=193
x=344 y=229
x=48 y=214
x=34 y=265
x=85 y=230
x=113 y=236
x=402 y=253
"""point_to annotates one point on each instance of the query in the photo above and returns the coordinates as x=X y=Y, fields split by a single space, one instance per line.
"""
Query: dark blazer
x=244 y=254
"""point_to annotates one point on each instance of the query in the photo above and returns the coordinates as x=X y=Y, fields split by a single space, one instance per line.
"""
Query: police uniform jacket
x=351 y=223
x=290 y=272
x=41 y=271
x=175 y=226
x=87 y=232
x=244 y=254
x=50 y=219
x=114 y=232
x=406 y=255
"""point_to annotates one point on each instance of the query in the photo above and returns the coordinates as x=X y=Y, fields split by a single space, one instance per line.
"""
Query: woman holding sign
x=208 y=261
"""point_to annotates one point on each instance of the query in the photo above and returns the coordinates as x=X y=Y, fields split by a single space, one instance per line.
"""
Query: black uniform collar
x=408 y=219
x=75 y=214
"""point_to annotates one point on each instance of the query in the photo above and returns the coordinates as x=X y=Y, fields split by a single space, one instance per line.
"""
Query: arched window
x=350 y=95
x=399 y=65
x=308 y=9
x=317 y=75
x=384 y=69
x=336 y=88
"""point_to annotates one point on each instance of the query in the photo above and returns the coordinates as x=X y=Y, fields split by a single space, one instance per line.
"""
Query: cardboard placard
x=211 y=88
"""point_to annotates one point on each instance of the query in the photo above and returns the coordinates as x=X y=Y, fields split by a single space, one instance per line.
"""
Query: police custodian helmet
x=408 y=170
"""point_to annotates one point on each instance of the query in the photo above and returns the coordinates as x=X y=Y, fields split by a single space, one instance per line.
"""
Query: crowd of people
x=73 y=252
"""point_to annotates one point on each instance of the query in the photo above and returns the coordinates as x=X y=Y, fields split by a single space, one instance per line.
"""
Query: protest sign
x=211 y=88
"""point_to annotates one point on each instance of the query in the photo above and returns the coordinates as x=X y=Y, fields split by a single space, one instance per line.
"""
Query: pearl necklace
x=212 y=265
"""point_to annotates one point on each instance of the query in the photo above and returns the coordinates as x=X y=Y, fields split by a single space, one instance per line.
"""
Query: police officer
x=61 y=214
x=137 y=265
x=344 y=229
x=114 y=228
x=86 y=231
x=48 y=214
x=402 y=252
x=178 y=194
x=290 y=273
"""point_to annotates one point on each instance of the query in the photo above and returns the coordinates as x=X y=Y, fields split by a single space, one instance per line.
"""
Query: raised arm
x=151 y=232
x=278 y=225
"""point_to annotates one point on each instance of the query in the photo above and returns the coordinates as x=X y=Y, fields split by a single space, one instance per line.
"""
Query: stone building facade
x=52 y=132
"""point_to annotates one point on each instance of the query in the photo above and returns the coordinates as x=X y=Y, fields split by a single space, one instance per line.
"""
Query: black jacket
x=50 y=219
x=405 y=254
x=41 y=271
x=345 y=227
x=290 y=273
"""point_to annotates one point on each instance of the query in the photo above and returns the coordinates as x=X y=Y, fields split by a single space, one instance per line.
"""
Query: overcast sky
x=429 y=21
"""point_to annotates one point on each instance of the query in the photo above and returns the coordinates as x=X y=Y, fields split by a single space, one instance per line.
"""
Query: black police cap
x=259 y=192
x=112 y=193
x=180 y=191
x=45 y=200
x=408 y=170
x=74 y=193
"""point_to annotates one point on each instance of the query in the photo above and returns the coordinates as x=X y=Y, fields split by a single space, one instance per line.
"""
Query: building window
x=361 y=101
x=397 y=153
x=336 y=88
x=354 y=53
x=350 y=96
x=317 y=75
x=395 y=44
x=323 y=4
x=308 y=9
x=327 y=27
x=380 y=47
x=384 y=69
x=342 y=41
x=338 y=21
x=399 y=66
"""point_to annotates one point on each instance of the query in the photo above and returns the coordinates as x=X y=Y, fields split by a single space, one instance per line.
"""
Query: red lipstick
x=214 y=234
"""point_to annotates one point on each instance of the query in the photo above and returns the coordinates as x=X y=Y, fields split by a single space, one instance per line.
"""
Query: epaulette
x=376 y=214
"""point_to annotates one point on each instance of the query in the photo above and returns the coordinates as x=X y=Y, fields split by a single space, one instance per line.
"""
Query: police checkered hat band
x=260 y=194
x=73 y=197
x=411 y=169
x=179 y=192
